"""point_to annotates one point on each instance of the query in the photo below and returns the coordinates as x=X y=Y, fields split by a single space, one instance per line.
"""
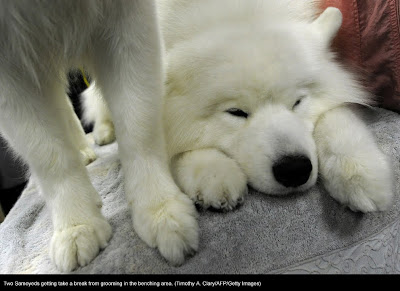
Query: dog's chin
x=279 y=190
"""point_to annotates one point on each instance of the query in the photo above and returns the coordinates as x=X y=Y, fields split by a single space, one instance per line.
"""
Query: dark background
x=13 y=172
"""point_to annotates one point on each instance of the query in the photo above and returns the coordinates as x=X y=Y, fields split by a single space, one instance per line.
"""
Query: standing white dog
x=118 y=42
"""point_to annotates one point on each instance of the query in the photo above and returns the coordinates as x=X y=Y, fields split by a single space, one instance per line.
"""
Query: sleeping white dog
x=255 y=96
x=119 y=43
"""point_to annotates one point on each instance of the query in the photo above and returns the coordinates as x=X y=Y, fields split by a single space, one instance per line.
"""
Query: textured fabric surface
x=369 y=39
x=299 y=233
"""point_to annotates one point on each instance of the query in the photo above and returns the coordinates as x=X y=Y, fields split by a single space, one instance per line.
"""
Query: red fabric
x=370 y=40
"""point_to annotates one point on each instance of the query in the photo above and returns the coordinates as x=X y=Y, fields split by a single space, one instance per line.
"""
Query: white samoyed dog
x=255 y=97
x=119 y=43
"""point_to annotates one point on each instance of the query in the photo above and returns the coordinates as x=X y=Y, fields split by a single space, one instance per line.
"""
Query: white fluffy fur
x=269 y=59
x=96 y=111
x=262 y=57
x=118 y=43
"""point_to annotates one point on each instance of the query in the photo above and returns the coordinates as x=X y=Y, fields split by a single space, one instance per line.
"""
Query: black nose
x=292 y=171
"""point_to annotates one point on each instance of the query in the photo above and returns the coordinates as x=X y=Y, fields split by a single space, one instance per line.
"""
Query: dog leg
x=354 y=170
x=130 y=76
x=210 y=178
x=77 y=134
x=32 y=122
x=95 y=111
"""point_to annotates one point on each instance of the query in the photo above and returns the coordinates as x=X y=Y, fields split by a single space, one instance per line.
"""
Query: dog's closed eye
x=297 y=103
x=237 y=112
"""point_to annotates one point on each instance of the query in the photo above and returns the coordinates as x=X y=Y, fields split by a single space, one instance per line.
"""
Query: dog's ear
x=328 y=24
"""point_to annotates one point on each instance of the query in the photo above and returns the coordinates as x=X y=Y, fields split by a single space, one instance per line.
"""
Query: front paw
x=104 y=133
x=79 y=244
x=88 y=155
x=170 y=225
x=211 y=179
x=364 y=184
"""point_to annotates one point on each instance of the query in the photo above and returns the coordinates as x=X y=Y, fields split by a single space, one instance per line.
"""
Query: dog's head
x=255 y=92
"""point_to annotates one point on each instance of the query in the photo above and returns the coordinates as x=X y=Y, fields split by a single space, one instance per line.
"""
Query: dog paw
x=219 y=187
x=369 y=202
x=211 y=179
x=171 y=226
x=354 y=170
x=104 y=133
x=79 y=244
x=362 y=185
x=88 y=155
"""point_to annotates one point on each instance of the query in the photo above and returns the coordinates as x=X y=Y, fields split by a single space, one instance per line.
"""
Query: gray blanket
x=299 y=233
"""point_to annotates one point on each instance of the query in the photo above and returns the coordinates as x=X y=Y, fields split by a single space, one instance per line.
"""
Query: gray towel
x=300 y=233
